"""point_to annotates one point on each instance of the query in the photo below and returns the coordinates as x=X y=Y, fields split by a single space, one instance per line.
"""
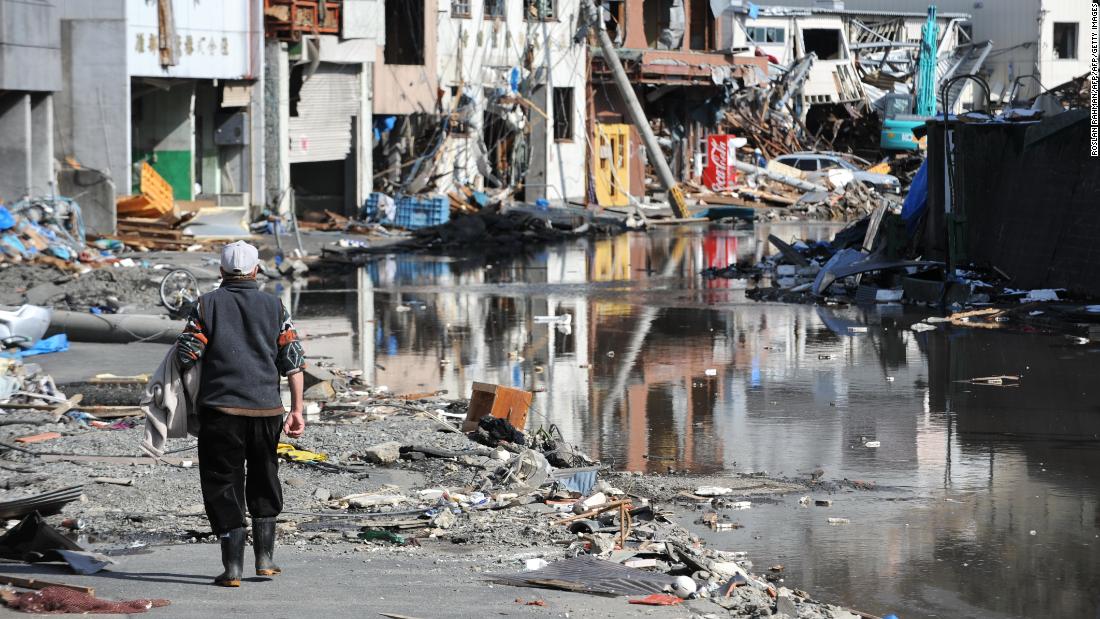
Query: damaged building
x=482 y=95
x=1036 y=44
x=170 y=84
x=683 y=75
x=319 y=103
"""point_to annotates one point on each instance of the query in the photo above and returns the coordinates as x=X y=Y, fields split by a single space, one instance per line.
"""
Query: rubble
x=350 y=477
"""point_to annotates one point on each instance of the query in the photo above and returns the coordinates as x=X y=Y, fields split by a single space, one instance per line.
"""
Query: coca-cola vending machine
x=720 y=175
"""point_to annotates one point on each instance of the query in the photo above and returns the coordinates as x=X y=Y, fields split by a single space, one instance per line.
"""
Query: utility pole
x=637 y=116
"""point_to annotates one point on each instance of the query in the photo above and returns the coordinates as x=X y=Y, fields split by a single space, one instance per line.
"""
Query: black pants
x=226 y=443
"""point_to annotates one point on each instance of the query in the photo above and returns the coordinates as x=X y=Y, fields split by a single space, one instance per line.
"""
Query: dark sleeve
x=191 y=344
x=290 y=358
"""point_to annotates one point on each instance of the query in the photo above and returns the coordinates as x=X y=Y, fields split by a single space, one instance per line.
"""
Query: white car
x=816 y=166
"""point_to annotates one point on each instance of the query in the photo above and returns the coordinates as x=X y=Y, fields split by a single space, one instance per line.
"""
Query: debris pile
x=490 y=233
x=389 y=473
x=46 y=231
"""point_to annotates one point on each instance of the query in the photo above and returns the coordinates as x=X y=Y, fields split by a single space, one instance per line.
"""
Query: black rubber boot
x=263 y=542
x=232 y=558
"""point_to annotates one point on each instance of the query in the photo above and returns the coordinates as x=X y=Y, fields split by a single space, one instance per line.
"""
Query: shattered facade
x=492 y=100
x=1045 y=38
x=672 y=52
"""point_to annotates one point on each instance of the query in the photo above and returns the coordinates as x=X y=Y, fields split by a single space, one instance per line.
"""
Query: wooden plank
x=66 y=406
x=111 y=379
x=36 y=584
x=151 y=242
x=159 y=233
x=113 y=412
x=116 y=459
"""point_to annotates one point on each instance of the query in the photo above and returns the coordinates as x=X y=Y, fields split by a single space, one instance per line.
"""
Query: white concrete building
x=512 y=82
x=1046 y=38
x=170 y=83
x=838 y=37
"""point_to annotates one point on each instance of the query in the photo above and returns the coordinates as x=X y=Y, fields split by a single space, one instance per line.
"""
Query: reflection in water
x=658 y=368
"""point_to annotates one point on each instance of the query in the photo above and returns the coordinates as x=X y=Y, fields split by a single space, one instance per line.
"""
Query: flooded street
x=985 y=499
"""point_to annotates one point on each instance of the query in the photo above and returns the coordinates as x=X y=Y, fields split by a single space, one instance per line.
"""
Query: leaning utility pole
x=637 y=116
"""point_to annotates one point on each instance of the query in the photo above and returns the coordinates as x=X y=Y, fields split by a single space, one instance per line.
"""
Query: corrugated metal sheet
x=322 y=129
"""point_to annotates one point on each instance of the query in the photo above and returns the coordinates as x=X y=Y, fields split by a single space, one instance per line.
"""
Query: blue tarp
x=581 y=482
x=916 y=201
x=55 y=343
x=6 y=220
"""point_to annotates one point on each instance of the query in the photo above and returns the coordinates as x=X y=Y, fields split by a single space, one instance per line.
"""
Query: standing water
x=979 y=500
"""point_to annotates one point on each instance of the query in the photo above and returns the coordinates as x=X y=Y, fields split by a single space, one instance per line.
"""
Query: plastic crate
x=412 y=212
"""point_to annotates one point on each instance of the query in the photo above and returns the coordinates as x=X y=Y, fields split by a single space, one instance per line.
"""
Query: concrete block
x=383 y=453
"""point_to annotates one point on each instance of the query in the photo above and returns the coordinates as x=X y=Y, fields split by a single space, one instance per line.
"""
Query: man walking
x=246 y=341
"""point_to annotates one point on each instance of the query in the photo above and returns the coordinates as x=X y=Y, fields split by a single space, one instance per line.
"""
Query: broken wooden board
x=125 y=460
x=36 y=584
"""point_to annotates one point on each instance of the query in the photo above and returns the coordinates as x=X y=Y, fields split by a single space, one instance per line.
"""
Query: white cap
x=239 y=258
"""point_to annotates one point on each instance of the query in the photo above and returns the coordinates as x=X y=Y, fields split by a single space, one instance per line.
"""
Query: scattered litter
x=684 y=587
x=45 y=503
x=55 y=600
x=535 y=564
x=38 y=438
x=920 y=327
x=872 y=444
x=588 y=574
x=839 y=521
x=713 y=491
x=1041 y=295
x=117 y=481
x=84 y=562
x=994 y=381
x=385 y=536
x=293 y=454
x=657 y=599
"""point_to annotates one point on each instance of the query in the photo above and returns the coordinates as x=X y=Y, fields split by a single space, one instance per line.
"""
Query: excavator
x=904 y=112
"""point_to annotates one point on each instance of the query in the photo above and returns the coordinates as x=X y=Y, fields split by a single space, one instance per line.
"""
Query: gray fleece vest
x=242 y=325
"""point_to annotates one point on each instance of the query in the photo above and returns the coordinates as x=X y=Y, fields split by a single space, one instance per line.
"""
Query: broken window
x=761 y=34
x=297 y=79
x=539 y=9
x=827 y=43
x=563 y=113
x=404 y=32
x=494 y=9
x=967 y=31
x=1065 y=40
x=458 y=118
x=664 y=23
x=460 y=8
x=614 y=15
x=702 y=27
